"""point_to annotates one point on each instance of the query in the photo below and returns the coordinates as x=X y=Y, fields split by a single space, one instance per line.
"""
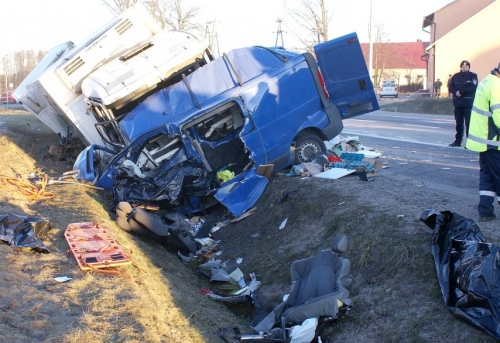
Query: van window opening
x=218 y=137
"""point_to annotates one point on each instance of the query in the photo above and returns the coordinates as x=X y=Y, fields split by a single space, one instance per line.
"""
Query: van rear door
x=346 y=76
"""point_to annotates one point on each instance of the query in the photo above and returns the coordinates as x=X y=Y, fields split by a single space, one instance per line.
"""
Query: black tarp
x=168 y=188
x=21 y=231
x=468 y=269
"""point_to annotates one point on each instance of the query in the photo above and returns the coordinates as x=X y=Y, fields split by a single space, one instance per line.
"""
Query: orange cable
x=28 y=189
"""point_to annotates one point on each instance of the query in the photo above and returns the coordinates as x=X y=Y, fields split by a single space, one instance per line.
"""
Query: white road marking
x=427 y=127
x=407 y=140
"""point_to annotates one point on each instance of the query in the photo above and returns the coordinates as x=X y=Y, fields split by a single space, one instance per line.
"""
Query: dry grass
x=429 y=106
x=160 y=302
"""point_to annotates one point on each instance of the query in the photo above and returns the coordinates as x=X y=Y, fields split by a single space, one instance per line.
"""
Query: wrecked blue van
x=253 y=106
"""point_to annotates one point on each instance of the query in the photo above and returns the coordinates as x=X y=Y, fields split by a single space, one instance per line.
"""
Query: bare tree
x=180 y=18
x=380 y=54
x=171 y=14
x=312 y=17
x=118 y=6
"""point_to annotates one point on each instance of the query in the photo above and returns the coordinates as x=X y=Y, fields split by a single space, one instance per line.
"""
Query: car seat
x=318 y=291
x=171 y=228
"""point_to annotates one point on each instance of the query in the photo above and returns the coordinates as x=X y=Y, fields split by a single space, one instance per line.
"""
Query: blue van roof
x=171 y=104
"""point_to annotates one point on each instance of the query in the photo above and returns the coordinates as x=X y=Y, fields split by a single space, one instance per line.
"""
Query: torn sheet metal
x=169 y=188
x=242 y=192
x=467 y=269
x=21 y=231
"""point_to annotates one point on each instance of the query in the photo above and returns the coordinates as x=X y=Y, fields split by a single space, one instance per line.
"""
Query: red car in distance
x=7 y=97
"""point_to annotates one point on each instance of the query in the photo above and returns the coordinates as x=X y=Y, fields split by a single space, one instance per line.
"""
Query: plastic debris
x=62 y=278
x=283 y=223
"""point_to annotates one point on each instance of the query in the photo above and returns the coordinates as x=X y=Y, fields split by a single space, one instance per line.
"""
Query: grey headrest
x=340 y=244
x=124 y=206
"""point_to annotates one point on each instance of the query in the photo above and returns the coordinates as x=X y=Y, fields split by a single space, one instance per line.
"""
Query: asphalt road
x=16 y=106
x=415 y=148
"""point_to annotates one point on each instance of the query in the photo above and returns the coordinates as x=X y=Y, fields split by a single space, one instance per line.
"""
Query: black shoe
x=487 y=219
x=455 y=144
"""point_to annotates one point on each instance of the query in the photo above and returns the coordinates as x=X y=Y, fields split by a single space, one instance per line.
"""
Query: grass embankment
x=429 y=106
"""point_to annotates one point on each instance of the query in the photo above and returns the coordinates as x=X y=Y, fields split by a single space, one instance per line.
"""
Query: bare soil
x=394 y=287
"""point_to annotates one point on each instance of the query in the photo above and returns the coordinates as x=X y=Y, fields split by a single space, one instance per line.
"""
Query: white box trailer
x=117 y=87
x=33 y=99
x=52 y=91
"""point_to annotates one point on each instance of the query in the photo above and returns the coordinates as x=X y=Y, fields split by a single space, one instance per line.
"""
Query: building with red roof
x=401 y=62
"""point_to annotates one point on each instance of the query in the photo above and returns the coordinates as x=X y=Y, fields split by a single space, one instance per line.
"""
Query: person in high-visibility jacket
x=484 y=137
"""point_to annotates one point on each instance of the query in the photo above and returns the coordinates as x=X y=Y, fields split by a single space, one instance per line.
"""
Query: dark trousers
x=489 y=181
x=462 y=114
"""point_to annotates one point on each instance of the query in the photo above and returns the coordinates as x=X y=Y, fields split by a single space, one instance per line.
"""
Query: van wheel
x=307 y=146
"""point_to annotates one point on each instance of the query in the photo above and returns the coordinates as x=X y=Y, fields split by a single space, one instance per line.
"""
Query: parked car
x=389 y=88
x=7 y=98
x=252 y=107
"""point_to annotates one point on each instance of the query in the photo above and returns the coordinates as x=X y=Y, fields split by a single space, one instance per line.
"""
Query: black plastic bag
x=21 y=231
x=468 y=269
x=169 y=188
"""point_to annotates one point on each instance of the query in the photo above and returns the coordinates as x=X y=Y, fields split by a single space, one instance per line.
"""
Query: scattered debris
x=335 y=173
x=62 y=278
x=285 y=195
x=244 y=215
x=283 y=223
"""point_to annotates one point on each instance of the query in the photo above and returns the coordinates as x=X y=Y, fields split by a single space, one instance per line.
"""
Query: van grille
x=123 y=27
x=74 y=66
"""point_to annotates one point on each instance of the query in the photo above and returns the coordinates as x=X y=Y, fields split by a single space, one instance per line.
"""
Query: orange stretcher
x=93 y=246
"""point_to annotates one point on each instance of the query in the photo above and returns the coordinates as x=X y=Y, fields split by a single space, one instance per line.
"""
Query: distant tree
x=311 y=18
x=380 y=54
x=17 y=65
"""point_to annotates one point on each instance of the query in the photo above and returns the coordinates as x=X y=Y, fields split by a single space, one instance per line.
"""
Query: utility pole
x=279 y=32
x=211 y=35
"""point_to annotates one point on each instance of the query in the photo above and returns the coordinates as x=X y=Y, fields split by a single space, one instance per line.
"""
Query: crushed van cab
x=254 y=106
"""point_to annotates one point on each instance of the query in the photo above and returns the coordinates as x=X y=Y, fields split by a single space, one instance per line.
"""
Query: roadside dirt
x=394 y=288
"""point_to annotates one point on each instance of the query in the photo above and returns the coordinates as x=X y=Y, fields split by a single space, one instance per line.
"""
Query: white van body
x=53 y=90
x=123 y=79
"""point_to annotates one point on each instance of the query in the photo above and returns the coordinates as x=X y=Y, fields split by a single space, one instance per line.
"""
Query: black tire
x=307 y=146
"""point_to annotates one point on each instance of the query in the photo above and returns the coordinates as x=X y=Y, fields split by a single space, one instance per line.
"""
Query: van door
x=346 y=76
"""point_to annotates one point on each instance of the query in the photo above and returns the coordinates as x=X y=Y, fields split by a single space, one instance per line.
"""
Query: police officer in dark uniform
x=463 y=87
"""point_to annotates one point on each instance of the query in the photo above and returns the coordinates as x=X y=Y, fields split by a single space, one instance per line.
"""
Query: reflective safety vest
x=484 y=126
